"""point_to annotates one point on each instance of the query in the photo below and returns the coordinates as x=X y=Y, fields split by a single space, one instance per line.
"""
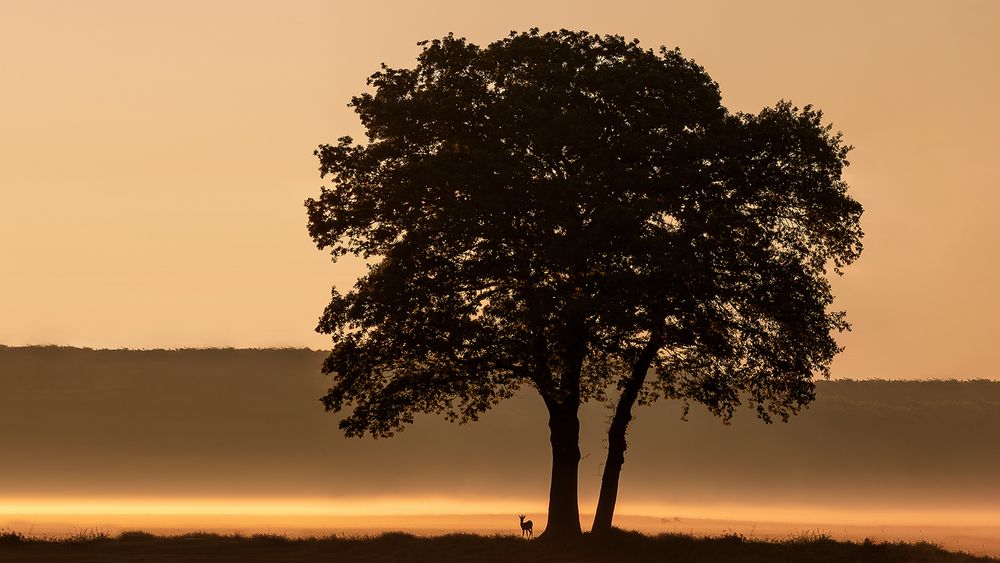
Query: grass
x=94 y=546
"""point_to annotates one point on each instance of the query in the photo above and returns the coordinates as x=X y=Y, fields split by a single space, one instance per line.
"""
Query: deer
x=526 y=527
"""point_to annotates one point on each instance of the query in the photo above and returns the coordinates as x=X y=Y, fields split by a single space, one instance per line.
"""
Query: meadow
x=136 y=546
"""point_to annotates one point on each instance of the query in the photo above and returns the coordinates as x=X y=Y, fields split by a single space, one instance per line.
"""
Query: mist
x=247 y=424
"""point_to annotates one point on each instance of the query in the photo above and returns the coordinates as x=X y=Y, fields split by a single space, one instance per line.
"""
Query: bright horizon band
x=389 y=507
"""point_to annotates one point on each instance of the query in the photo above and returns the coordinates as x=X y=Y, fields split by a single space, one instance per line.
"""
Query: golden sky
x=154 y=156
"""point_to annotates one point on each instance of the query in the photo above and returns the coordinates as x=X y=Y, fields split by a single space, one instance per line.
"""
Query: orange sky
x=154 y=156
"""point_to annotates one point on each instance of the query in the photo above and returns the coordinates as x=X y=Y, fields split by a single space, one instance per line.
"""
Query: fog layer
x=230 y=424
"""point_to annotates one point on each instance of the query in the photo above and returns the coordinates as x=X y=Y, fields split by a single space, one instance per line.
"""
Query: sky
x=155 y=156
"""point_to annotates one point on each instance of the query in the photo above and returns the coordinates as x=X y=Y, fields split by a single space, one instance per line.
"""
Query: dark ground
x=393 y=547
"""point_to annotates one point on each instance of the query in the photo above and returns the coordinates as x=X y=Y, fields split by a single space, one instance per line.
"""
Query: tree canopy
x=568 y=211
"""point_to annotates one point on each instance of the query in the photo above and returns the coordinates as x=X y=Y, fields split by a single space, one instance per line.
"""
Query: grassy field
x=391 y=547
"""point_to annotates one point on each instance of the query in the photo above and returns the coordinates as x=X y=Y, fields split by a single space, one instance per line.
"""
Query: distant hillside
x=248 y=422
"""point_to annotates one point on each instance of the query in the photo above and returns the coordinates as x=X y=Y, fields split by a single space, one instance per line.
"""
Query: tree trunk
x=564 y=508
x=617 y=444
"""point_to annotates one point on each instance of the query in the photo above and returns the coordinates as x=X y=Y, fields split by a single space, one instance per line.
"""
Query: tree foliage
x=561 y=209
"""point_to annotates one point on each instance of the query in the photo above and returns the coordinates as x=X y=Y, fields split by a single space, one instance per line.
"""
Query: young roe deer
x=525 y=527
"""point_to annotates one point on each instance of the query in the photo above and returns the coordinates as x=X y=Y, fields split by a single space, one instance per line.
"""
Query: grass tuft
x=270 y=538
x=88 y=536
x=11 y=537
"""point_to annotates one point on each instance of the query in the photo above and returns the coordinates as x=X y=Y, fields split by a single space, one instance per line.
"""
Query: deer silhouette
x=525 y=527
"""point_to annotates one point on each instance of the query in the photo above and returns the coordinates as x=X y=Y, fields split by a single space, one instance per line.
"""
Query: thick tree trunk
x=617 y=443
x=564 y=508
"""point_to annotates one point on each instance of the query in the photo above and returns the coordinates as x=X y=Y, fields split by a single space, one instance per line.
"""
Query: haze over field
x=208 y=430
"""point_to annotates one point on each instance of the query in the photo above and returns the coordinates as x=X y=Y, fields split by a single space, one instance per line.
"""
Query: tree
x=560 y=210
x=731 y=303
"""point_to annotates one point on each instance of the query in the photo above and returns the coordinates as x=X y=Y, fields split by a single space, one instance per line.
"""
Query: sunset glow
x=534 y=270
x=192 y=129
x=262 y=507
x=183 y=511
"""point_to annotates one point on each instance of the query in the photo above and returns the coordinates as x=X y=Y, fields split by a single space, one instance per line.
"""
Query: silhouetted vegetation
x=570 y=212
x=392 y=547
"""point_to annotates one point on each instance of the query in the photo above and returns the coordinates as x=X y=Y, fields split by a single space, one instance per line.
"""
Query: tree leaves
x=536 y=209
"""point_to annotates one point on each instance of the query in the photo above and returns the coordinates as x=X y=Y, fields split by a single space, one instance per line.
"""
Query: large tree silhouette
x=568 y=211
x=730 y=303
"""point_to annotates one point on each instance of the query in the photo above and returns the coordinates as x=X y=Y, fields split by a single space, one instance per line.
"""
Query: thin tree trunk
x=564 y=508
x=617 y=444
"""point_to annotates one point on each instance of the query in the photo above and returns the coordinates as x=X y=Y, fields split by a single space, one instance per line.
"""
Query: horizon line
x=952 y=378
